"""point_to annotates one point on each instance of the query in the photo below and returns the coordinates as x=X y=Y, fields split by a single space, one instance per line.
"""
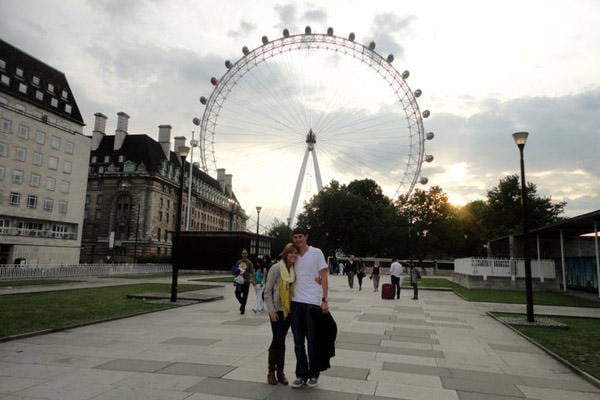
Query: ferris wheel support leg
x=317 y=170
x=298 y=186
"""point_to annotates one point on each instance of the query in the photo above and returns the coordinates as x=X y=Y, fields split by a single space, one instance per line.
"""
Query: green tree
x=504 y=214
x=281 y=234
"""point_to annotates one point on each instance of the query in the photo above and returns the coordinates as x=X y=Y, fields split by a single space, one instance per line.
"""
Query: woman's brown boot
x=280 y=364
x=272 y=366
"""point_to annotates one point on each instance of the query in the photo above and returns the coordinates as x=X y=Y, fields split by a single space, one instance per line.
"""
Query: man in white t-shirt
x=395 y=273
x=310 y=298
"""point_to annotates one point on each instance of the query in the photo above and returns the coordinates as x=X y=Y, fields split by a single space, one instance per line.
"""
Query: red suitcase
x=387 y=291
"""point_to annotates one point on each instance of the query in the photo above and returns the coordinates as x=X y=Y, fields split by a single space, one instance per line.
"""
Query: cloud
x=384 y=30
x=244 y=30
x=315 y=15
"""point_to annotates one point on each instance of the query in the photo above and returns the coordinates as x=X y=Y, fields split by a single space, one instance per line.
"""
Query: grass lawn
x=226 y=279
x=508 y=296
x=32 y=312
x=150 y=276
x=30 y=282
x=580 y=344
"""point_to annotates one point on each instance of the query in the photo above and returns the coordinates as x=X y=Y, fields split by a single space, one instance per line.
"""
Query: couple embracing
x=296 y=296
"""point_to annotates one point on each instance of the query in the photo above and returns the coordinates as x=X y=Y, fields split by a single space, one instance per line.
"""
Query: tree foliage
x=281 y=234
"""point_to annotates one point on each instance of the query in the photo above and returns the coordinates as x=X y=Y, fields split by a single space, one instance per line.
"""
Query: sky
x=486 y=70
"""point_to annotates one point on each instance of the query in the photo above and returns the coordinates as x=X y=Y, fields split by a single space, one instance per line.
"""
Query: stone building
x=132 y=192
x=43 y=163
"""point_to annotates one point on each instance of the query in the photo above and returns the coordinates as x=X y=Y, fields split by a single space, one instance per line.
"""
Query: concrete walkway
x=439 y=347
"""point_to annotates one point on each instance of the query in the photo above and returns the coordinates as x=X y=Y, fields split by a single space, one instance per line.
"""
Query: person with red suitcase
x=395 y=273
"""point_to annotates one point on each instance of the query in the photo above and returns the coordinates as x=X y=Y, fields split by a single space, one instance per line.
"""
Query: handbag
x=239 y=279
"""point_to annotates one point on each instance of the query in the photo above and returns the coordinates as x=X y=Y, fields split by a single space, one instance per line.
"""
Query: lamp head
x=520 y=138
x=183 y=151
x=258 y=208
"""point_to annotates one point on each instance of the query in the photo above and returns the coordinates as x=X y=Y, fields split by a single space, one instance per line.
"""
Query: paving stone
x=372 y=348
x=484 y=396
x=386 y=318
x=306 y=393
x=410 y=321
x=234 y=388
x=415 y=332
x=415 y=369
x=192 y=369
x=11 y=384
x=191 y=341
x=408 y=310
x=123 y=364
x=247 y=322
x=467 y=385
x=446 y=319
x=347 y=372
x=413 y=339
x=483 y=376
x=443 y=325
x=355 y=337
x=369 y=397
x=556 y=394
x=412 y=352
x=514 y=348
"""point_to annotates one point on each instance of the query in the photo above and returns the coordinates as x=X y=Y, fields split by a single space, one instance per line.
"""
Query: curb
x=591 y=379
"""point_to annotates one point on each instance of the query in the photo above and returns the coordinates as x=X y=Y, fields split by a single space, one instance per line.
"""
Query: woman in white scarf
x=279 y=291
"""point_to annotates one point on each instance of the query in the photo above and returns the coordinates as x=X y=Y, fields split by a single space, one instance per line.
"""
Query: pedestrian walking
x=308 y=304
x=259 y=276
x=279 y=290
x=351 y=268
x=396 y=274
x=415 y=275
x=242 y=285
x=360 y=274
x=375 y=275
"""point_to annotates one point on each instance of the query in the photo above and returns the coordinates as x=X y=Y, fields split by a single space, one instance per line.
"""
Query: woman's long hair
x=287 y=249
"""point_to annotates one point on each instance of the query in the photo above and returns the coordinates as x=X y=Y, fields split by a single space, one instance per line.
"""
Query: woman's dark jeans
x=280 y=329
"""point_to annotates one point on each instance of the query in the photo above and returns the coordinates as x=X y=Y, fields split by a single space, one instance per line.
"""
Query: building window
x=52 y=162
x=5 y=80
x=99 y=199
x=51 y=88
x=23 y=131
x=21 y=153
x=86 y=214
x=5 y=125
x=68 y=108
x=36 y=80
x=98 y=213
x=20 y=107
x=40 y=137
x=17 y=176
x=3 y=149
x=87 y=199
x=48 y=204
x=65 y=186
x=23 y=88
x=19 y=72
x=2 y=173
x=39 y=95
x=50 y=183
x=69 y=147
x=64 y=94
x=55 y=143
x=34 y=180
x=37 y=159
x=121 y=158
x=106 y=159
x=160 y=216
x=54 y=102
x=62 y=207
x=2 y=64
x=14 y=199
x=67 y=166
x=93 y=160
x=32 y=201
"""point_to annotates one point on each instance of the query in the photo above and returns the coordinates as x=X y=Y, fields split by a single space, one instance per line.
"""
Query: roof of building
x=35 y=82
x=143 y=149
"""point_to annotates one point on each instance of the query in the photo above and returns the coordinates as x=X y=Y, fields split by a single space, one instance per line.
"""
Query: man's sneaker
x=298 y=382
x=312 y=382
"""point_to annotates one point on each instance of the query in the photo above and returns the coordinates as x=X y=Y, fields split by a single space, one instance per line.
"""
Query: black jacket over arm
x=326 y=332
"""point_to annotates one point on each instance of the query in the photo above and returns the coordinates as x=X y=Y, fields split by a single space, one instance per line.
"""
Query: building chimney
x=164 y=139
x=221 y=177
x=99 y=130
x=121 y=131
x=228 y=188
x=179 y=142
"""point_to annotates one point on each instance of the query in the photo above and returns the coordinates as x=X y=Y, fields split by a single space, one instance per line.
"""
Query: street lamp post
x=520 y=139
x=258 y=208
x=175 y=256
x=193 y=144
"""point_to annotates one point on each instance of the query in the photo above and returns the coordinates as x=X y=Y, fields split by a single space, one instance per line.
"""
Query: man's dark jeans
x=241 y=294
x=396 y=284
x=303 y=327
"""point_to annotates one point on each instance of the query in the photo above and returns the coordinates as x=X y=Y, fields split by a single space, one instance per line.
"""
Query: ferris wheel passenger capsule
x=372 y=45
x=429 y=158
x=307 y=30
x=203 y=100
x=286 y=33
x=390 y=58
x=426 y=114
x=418 y=93
x=227 y=64
x=429 y=135
x=265 y=40
x=423 y=181
x=351 y=36
x=214 y=81
x=330 y=31
x=405 y=74
x=245 y=50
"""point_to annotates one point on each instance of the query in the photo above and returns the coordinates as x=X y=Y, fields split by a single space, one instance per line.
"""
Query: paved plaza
x=439 y=347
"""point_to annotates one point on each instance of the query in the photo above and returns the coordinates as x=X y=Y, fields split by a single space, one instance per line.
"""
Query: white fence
x=504 y=267
x=54 y=271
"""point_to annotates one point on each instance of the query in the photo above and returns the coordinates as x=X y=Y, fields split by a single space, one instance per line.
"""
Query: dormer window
x=68 y=108
x=2 y=64
x=51 y=88
x=5 y=80
x=54 y=102
x=39 y=95
x=19 y=72
x=23 y=88
x=64 y=94
x=35 y=80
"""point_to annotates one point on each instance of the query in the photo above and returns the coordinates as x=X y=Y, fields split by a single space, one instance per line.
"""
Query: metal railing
x=21 y=271
x=504 y=267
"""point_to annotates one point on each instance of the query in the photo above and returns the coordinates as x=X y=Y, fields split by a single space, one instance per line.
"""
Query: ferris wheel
x=318 y=91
